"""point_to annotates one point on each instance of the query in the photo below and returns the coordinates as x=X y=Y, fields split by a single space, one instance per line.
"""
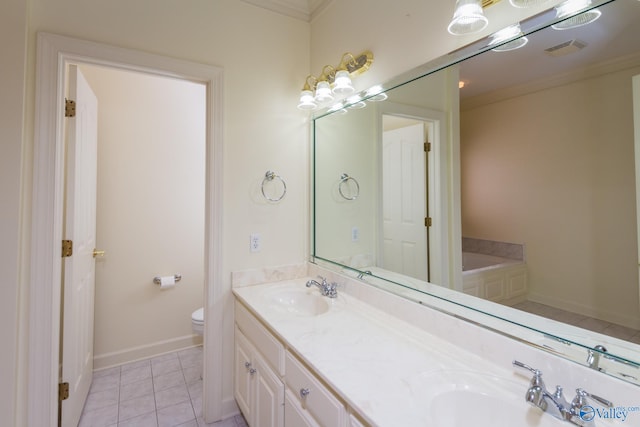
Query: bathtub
x=494 y=278
x=474 y=261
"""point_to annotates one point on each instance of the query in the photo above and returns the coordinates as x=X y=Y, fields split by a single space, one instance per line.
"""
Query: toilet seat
x=197 y=317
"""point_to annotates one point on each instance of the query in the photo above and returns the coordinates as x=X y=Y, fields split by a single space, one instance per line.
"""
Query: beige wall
x=150 y=204
x=554 y=169
x=13 y=15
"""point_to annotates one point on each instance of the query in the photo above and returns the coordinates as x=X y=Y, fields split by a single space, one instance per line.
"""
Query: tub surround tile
x=494 y=248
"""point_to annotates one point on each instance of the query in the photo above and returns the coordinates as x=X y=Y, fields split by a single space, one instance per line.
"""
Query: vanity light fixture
x=511 y=32
x=468 y=18
x=333 y=80
x=570 y=7
x=307 y=98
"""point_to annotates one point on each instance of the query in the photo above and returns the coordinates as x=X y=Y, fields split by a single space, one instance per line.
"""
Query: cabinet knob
x=252 y=371
x=304 y=392
x=247 y=365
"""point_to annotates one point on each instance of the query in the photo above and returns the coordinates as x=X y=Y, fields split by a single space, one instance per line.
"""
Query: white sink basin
x=465 y=398
x=302 y=302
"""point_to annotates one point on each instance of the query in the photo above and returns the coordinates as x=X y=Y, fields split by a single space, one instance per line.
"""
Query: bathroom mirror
x=529 y=158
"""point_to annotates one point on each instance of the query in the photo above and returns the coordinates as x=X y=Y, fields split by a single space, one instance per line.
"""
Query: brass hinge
x=63 y=391
x=428 y=222
x=67 y=248
x=69 y=108
x=427 y=147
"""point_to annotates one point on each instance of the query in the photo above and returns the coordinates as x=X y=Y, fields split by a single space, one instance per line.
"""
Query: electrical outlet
x=355 y=234
x=255 y=242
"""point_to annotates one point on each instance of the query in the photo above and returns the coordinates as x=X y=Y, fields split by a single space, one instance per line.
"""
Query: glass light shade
x=570 y=7
x=505 y=34
x=323 y=92
x=578 y=21
x=342 y=83
x=307 y=100
x=526 y=3
x=468 y=18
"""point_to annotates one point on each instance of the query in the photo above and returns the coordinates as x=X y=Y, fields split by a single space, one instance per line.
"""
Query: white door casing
x=80 y=228
x=54 y=53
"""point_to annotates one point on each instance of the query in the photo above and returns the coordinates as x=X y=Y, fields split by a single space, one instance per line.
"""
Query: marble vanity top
x=391 y=372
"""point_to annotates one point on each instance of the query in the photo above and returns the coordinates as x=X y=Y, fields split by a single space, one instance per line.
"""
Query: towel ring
x=344 y=180
x=270 y=176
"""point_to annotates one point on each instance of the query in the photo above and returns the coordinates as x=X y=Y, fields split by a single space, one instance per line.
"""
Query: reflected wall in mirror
x=531 y=166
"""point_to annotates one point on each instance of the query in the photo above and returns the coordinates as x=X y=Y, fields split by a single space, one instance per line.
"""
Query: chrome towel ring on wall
x=268 y=177
x=344 y=186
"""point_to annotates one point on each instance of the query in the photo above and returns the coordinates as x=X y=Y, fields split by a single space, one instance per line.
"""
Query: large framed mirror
x=502 y=179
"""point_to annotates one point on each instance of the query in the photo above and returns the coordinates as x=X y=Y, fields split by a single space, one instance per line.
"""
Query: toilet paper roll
x=167 y=282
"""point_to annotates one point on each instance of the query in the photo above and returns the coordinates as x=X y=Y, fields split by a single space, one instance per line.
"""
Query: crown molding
x=304 y=10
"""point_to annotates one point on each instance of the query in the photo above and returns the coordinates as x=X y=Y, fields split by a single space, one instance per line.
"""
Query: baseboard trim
x=229 y=408
x=108 y=360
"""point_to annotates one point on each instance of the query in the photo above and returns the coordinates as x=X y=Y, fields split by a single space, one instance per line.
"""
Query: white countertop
x=386 y=369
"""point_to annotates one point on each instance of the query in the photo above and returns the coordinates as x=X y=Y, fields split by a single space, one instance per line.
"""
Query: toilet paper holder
x=157 y=279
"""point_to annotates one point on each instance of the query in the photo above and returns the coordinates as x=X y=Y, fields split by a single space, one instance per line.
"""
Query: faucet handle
x=537 y=374
x=581 y=399
x=324 y=280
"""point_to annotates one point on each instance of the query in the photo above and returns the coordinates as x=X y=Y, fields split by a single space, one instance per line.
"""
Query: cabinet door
x=294 y=414
x=243 y=368
x=269 y=395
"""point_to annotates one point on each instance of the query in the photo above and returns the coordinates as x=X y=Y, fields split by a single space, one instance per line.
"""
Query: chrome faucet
x=362 y=273
x=326 y=289
x=593 y=358
x=555 y=403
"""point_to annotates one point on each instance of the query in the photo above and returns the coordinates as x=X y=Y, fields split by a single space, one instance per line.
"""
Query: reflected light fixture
x=333 y=80
x=499 y=38
x=570 y=7
x=376 y=94
x=468 y=18
x=521 y=4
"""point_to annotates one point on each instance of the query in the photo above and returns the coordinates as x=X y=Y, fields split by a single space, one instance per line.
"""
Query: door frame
x=438 y=181
x=54 y=52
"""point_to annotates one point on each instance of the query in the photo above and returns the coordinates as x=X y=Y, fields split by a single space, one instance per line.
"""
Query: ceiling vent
x=566 y=48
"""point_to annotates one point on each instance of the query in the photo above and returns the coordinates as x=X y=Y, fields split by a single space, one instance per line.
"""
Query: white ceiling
x=305 y=10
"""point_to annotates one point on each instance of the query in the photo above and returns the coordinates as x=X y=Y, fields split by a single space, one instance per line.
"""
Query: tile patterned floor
x=581 y=321
x=164 y=391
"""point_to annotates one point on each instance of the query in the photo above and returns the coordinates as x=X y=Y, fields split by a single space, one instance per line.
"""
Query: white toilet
x=197 y=321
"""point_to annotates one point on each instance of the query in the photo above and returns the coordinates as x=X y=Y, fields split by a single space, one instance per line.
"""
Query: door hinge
x=67 y=248
x=427 y=147
x=428 y=222
x=63 y=391
x=69 y=108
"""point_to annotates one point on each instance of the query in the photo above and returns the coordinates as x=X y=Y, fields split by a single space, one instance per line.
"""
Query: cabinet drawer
x=315 y=398
x=270 y=348
x=294 y=414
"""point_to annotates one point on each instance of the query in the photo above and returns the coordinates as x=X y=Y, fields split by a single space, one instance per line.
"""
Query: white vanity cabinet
x=259 y=389
x=273 y=388
x=309 y=402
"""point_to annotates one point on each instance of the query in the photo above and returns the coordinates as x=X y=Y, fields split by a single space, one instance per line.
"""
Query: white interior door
x=404 y=201
x=80 y=227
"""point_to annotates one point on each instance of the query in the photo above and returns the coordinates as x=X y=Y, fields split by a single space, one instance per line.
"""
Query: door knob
x=97 y=253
